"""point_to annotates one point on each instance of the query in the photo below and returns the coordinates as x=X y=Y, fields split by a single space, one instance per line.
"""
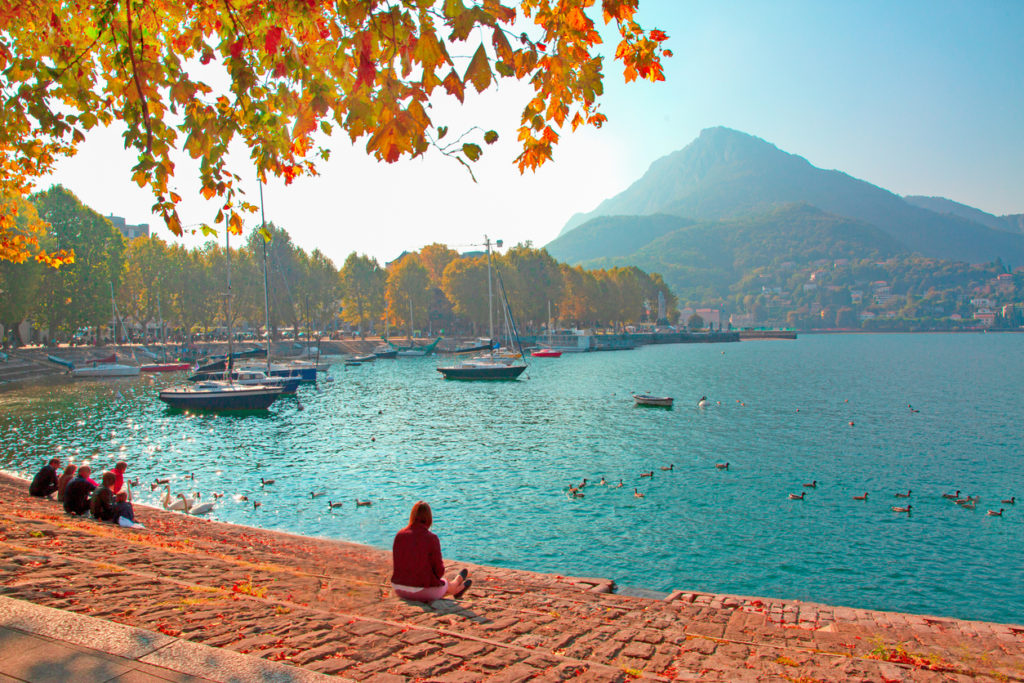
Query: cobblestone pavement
x=326 y=606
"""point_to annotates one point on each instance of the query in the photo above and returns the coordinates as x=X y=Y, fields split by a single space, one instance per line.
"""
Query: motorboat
x=650 y=400
x=221 y=395
x=385 y=352
x=482 y=369
x=98 y=369
x=546 y=353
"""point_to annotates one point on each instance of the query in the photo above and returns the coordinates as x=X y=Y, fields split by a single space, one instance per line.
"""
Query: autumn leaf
x=490 y=137
x=272 y=39
x=472 y=151
x=479 y=71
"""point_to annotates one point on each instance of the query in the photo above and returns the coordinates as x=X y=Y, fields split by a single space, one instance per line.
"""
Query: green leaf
x=472 y=151
x=442 y=131
x=490 y=137
x=207 y=230
x=265 y=234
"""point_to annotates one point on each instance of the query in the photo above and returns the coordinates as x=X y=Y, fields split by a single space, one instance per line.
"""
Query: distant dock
x=767 y=334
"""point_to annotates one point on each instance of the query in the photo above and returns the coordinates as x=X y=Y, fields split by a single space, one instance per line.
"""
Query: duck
x=363 y=503
x=1012 y=500
x=952 y=496
x=647 y=474
x=968 y=504
x=669 y=468
x=242 y=498
x=901 y=509
x=864 y=497
x=218 y=496
x=190 y=475
x=637 y=494
x=794 y=496
x=722 y=465
x=266 y=482
x=161 y=482
x=317 y=494
x=256 y=504
x=602 y=482
x=812 y=485
x=331 y=504
x=993 y=513
x=582 y=484
x=903 y=495
x=969 y=500
x=703 y=402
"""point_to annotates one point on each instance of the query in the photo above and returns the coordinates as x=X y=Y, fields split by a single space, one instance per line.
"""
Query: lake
x=495 y=459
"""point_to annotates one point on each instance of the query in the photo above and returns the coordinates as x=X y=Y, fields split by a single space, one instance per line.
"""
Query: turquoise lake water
x=494 y=460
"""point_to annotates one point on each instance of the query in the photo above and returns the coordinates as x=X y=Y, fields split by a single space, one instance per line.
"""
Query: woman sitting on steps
x=418 y=565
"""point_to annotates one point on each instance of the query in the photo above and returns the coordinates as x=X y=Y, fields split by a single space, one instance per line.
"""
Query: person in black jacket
x=76 y=495
x=45 y=481
x=102 y=502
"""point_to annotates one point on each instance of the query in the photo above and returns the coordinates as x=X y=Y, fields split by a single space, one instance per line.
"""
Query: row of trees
x=430 y=290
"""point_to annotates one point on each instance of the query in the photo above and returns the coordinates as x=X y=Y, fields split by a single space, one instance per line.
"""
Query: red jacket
x=416 y=554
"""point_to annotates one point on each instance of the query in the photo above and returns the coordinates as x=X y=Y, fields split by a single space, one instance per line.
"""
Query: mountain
x=718 y=254
x=726 y=174
x=1011 y=223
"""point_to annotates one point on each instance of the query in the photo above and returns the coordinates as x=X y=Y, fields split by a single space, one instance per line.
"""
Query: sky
x=918 y=97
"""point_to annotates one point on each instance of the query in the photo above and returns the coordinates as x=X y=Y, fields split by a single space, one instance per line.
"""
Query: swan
x=901 y=509
x=722 y=465
x=363 y=503
x=864 y=497
x=165 y=498
x=794 y=496
x=200 y=508
x=1012 y=500
x=993 y=513
x=178 y=505
x=812 y=485
x=903 y=495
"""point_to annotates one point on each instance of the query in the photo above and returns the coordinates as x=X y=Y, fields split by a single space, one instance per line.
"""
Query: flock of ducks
x=192 y=505
x=969 y=502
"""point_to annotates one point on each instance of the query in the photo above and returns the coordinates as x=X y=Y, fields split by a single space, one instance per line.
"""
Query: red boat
x=545 y=353
x=165 y=367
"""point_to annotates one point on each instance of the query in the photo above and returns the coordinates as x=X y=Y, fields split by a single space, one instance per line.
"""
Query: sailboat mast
x=231 y=347
x=490 y=295
x=160 y=317
x=266 y=287
x=113 y=314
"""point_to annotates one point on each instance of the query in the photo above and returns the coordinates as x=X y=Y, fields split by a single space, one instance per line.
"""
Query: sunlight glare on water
x=494 y=460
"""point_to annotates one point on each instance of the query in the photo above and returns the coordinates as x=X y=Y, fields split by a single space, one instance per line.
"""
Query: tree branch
x=138 y=84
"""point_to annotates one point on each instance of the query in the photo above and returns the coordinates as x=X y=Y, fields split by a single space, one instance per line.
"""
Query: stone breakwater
x=326 y=606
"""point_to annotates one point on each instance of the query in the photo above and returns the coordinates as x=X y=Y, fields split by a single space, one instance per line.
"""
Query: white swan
x=176 y=506
x=200 y=508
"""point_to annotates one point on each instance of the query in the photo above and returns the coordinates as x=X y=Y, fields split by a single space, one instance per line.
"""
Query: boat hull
x=546 y=353
x=165 y=367
x=106 y=370
x=237 y=398
x=479 y=373
x=653 y=401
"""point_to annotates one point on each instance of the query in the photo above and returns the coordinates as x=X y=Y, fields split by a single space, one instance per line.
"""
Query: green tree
x=465 y=285
x=19 y=282
x=78 y=295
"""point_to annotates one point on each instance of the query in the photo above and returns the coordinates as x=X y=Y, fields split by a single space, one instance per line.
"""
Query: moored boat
x=103 y=369
x=220 y=395
x=650 y=400
x=546 y=353
x=165 y=367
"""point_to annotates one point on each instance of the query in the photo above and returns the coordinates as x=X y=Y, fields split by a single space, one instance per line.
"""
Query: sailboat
x=164 y=365
x=106 y=367
x=223 y=394
x=546 y=351
x=489 y=366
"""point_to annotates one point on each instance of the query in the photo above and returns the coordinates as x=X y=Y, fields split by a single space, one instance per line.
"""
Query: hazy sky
x=916 y=97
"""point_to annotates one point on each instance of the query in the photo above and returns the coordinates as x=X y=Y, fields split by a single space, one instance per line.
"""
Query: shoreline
x=326 y=606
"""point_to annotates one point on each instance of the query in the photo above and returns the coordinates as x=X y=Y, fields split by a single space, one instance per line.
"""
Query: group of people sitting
x=108 y=501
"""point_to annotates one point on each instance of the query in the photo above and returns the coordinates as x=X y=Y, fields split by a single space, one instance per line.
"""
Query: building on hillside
x=986 y=317
x=982 y=303
x=130 y=232
x=741 y=320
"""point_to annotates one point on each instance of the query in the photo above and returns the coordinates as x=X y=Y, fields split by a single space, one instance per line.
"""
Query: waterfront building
x=130 y=232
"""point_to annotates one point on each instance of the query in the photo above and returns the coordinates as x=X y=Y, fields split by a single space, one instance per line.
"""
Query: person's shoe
x=464 y=573
x=465 y=587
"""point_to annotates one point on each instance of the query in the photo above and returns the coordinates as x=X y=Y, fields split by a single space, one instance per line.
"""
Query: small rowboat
x=649 y=400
